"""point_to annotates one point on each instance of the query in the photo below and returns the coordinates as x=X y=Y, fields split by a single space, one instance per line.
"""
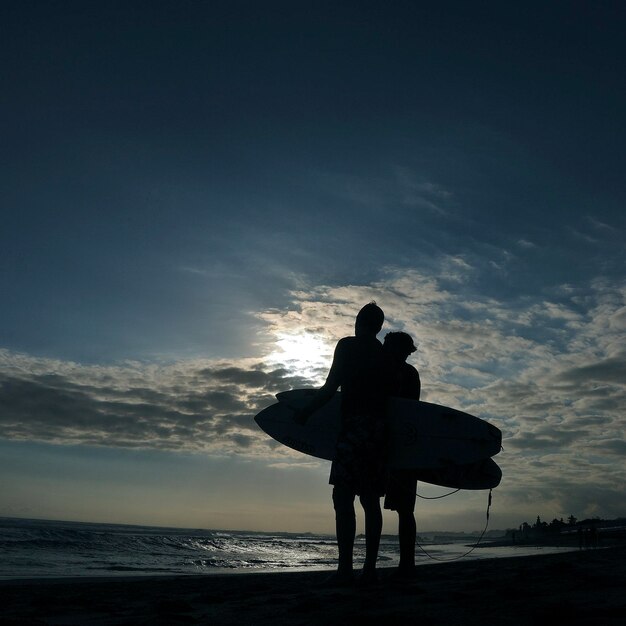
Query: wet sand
x=579 y=587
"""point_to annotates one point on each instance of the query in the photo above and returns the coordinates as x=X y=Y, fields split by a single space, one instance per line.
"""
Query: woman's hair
x=400 y=342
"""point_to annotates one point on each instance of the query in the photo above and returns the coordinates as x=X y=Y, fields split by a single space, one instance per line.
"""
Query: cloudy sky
x=198 y=196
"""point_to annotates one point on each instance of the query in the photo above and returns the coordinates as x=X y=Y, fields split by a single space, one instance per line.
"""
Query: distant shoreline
x=571 y=540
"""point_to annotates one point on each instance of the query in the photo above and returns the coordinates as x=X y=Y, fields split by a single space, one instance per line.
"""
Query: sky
x=198 y=196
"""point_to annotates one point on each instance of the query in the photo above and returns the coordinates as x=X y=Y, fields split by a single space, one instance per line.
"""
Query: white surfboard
x=422 y=435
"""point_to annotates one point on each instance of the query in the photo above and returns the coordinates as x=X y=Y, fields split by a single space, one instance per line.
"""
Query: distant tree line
x=581 y=529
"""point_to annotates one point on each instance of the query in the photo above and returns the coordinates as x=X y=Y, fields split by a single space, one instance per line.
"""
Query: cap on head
x=400 y=343
x=371 y=318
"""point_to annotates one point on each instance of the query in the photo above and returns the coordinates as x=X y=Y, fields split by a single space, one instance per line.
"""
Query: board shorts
x=359 y=462
x=401 y=490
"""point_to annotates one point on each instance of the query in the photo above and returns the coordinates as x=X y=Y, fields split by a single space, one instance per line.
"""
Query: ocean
x=32 y=548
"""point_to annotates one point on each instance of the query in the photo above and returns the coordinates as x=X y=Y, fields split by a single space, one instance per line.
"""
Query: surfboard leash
x=445 y=495
x=456 y=558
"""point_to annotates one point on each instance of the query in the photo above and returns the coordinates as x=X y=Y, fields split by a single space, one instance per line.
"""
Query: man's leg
x=345 y=522
x=373 y=529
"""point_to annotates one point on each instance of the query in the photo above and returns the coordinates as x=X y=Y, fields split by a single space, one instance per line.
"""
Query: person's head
x=369 y=320
x=399 y=344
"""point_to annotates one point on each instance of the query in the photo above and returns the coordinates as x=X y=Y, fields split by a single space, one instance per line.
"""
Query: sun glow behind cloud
x=304 y=353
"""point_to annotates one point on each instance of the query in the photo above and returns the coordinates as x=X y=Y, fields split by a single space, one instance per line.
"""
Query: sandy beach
x=579 y=587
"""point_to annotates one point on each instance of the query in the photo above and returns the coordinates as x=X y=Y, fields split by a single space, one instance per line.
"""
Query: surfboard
x=422 y=435
x=485 y=474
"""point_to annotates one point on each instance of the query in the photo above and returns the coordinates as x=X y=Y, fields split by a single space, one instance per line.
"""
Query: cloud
x=612 y=446
x=576 y=234
x=602 y=226
x=611 y=370
x=399 y=186
x=196 y=405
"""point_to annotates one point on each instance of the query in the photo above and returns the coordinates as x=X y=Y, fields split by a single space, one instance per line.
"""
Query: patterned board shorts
x=359 y=463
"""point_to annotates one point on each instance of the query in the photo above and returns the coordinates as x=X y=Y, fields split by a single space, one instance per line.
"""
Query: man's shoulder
x=344 y=341
x=343 y=348
x=359 y=348
x=360 y=342
x=344 y=344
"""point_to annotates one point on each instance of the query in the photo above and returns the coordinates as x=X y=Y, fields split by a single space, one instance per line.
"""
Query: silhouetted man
x=359 y=464
x=402 y=484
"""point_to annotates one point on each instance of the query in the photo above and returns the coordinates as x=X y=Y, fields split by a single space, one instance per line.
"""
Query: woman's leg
x=406 y=533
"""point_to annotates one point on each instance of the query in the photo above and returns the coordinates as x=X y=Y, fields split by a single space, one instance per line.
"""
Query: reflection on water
x=38 y=548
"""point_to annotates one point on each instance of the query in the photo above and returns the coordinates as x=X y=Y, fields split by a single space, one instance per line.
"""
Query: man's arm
x=326 y=391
